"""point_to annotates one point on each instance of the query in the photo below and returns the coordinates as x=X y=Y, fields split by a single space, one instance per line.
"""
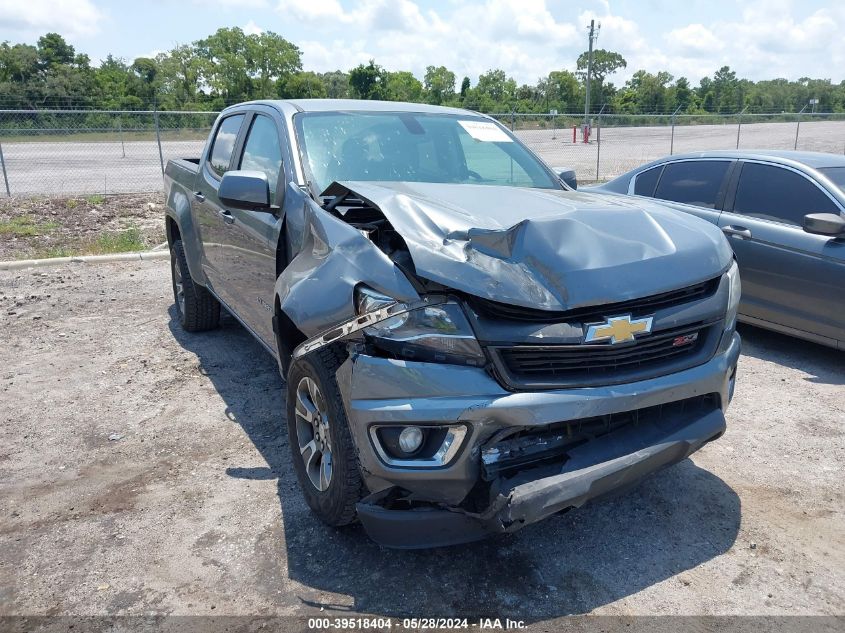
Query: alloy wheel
x=312 y=433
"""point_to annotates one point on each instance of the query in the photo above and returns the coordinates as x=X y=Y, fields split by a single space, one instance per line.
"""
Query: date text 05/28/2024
x=414 y=624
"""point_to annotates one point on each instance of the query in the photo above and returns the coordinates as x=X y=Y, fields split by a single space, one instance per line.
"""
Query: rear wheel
x=196 y=308
x=323 y=452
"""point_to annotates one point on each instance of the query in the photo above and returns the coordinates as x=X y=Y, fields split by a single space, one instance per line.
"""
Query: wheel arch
x=179 y=224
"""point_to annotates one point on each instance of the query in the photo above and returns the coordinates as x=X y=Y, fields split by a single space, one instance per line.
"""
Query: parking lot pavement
x=144 y=470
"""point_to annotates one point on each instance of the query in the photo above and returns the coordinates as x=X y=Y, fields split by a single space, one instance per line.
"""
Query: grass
x=96 y=199
x=25 y=226
x=127 y=241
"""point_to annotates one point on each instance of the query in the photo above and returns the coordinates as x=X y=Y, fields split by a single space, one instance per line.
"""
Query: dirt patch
x=80 y=225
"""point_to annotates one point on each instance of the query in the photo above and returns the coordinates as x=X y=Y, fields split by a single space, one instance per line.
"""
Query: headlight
x=734 y=293
x=437 y=333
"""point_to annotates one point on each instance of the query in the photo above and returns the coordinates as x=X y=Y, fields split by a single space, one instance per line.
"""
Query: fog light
x=410 y=439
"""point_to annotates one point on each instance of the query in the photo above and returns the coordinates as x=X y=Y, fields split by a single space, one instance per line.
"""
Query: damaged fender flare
x=359 y=323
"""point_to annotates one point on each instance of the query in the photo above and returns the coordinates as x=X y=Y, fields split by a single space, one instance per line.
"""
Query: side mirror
x=830 y=224
x=568 y=176
x=242 y=189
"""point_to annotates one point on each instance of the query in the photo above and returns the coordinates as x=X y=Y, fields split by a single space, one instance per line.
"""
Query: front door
x=248 y=246
x=789 y=277
x=213 y=220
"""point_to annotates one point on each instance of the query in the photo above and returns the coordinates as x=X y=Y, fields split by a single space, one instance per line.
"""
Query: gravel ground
x=146 y=471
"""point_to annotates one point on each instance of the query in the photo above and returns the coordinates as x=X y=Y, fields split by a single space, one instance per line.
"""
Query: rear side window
x=836 y=175
x=773 y=193
x=262 y=151
x=693 y=182
x=647 y=181
x=224 y=144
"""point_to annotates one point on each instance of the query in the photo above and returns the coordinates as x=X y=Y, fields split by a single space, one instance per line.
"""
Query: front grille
x=588 y=314
x=589 y=364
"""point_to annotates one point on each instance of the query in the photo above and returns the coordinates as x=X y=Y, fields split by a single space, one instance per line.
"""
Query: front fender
x=316 y=289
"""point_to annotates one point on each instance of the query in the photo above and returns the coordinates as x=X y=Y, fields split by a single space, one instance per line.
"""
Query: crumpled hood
x=546 y=249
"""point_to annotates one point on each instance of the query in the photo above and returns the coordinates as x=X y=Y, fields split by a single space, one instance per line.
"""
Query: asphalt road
x=73 y=167
x=146 y=471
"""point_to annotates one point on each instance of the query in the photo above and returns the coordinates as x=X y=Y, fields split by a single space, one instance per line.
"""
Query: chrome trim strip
x=445 y=454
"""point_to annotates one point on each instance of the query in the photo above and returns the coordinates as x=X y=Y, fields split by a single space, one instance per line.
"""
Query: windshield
x=836 y=175
x=415 y=147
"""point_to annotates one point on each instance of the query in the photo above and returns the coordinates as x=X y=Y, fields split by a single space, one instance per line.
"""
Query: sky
x=759 y=39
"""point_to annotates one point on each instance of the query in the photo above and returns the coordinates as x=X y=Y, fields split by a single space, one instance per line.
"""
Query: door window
x=262 y=151
x=694 y=182
x=780 y=195
x=647 y=181
x=224 y=144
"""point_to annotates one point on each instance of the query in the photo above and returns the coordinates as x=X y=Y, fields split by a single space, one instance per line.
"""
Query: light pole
x=594 y=33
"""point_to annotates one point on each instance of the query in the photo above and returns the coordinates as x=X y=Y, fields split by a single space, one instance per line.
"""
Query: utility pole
x=594 y=33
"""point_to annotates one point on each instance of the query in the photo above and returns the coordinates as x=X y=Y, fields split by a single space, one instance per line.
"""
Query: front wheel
x=323 y=452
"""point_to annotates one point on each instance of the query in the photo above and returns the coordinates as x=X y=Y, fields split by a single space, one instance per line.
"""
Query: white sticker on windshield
x=486 y=131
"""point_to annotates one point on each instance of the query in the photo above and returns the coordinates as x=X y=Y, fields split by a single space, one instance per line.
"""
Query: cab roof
x=358 y=105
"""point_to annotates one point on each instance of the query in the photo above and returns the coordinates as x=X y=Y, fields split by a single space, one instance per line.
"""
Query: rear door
x=249 y=243
x=789 y=277
x=212 y=219
x=693 y=186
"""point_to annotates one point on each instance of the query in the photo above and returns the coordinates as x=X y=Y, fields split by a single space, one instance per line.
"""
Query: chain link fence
x=616 y=144
x=72 y=152
x=65 y=152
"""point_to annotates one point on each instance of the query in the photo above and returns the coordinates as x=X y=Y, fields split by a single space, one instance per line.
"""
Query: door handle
x=198 y=195
x=737 y=231
x=227 y=217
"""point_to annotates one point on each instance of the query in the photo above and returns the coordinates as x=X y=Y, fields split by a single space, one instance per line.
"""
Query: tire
x=331 y=498
x=196 y=308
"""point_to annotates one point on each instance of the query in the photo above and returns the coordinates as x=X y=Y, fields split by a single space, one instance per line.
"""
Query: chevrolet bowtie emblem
x=618 y=329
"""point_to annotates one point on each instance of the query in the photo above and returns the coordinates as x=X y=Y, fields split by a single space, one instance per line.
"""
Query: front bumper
x=378 y=391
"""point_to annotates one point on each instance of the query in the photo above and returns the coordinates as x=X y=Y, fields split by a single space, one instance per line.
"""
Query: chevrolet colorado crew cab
x=469 y=344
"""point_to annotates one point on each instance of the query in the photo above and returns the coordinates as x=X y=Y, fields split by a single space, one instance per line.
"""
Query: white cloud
x=694 y=40
x=313 y=11
x=522 y=37
x=251 y=28
x=237 y=4
x=79 y=17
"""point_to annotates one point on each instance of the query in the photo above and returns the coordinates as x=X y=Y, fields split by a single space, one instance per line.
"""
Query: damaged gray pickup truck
x=469 y=344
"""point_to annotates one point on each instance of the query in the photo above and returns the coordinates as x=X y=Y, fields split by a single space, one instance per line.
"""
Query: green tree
x=563 y=91
x=145 y=72
x=439 y=84
x=645 y=93
x=497 y=87
x=605 y=63
x=18 y=63
x=403 y=86
x=302 y=85
x=225 y=58
x=336 y=83
x=179 y=74
x=464 y=87
x=271 y=58
x=368 y=82
x=683 y=94
x=726 y=90
x=53 y=50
